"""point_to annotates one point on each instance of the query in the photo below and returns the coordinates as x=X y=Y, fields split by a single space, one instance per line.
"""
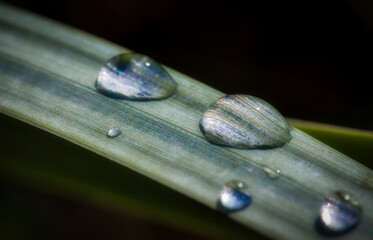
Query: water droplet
x=338 y=214
x=272 y=173
x=243 y=121
x=114 y=132
x=135 y=77
x=234 y=197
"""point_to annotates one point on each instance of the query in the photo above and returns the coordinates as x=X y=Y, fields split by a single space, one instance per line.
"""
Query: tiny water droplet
x=234 y=197
x=134 y=76
x=272 y=173
x=338 y=214
x=243 y=121
x=114 y=132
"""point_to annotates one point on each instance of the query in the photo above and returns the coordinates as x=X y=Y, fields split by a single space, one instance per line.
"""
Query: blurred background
x=312 y=60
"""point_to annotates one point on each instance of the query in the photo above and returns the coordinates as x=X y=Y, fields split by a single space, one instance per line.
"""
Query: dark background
x=310 y=59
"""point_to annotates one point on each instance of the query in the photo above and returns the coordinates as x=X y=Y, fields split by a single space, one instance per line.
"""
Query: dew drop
x=233 y=197
x=272 y=173
x=243 y=121
x=134 y=76
x=339 y=213
x=114 y=132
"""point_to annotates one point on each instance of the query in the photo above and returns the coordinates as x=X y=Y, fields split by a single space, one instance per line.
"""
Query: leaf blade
x=47 y=80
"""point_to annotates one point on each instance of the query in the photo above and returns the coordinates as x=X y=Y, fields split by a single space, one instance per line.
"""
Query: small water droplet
x=338 y=214
x=243 y=121
x=234 y=197
x=272 y=173
x=135 y=77
x=114 y=132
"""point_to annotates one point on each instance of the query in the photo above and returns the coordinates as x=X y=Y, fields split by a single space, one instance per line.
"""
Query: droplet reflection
x=272 y=173
x=113 y=132
x=135 y=77
x=339 y=213
x=234 y=197
x=243 y=121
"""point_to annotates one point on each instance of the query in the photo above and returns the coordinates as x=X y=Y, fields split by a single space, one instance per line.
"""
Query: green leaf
x=352 y=142
x=47 y=75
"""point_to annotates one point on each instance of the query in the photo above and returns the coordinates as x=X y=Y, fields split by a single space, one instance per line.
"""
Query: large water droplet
x=272 y=173
x=114 y=132
x=136 y=77
x=234 y=197
x=338 y=214
x=243 y=121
